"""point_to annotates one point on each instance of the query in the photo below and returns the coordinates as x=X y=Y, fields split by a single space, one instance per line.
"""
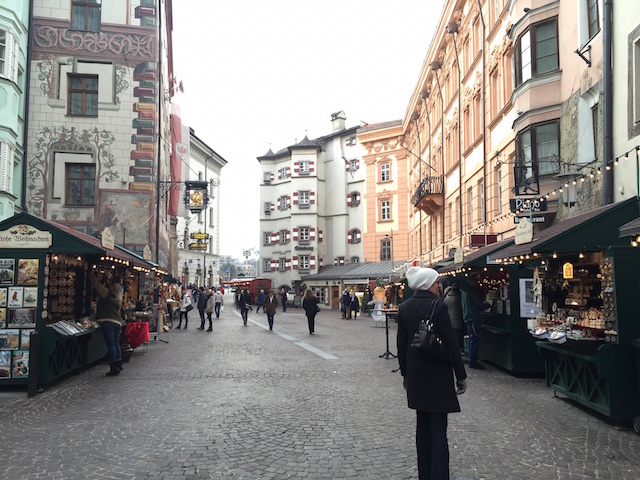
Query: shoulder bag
x=427 y=340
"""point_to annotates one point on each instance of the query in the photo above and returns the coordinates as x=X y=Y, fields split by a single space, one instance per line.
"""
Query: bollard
x=32 y=385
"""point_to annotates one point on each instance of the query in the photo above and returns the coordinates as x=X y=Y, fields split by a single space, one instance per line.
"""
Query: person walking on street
x=310 y=305
x=270 y=307
x=245 y=305
x=472 y=305
x=354 y=305
x=202 y=305
x=184 y=311
x=345 y=301
x=219 y=301
x=283 y=299
x=428 y=381
x=260 y=300
x=453 y=301
x=209 y=309
x=108 y=315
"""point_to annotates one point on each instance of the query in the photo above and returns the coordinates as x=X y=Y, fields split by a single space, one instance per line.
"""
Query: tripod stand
x=387 y=353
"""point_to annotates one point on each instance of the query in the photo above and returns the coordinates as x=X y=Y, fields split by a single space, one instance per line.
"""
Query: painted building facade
x=199 y=258
x=311 y=205
x=99 y=119
x=14 y=41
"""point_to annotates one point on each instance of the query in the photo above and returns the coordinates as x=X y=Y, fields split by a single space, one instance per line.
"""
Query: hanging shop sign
x=199 y=236
x=107 y=239
x=524 y=232
x=196 y=196
x=533 y=219
x=458 y=256
x=567 y=270
x=200 y=246
x=25 y=236
x=146 y=253
x=528 y=204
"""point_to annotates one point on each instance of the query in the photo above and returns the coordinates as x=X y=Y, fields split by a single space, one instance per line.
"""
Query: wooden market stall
x=44 y=289
x=582 y=307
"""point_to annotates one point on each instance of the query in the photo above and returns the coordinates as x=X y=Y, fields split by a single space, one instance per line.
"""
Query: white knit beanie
x=420 y=278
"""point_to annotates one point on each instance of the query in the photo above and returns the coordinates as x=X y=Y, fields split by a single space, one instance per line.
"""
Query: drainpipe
x=452 y=28
x=607 y=107
x=25 y=143
x=435 y=66
x=484 y=126
x=424 y=94
x=160 y=101
x=415 y=117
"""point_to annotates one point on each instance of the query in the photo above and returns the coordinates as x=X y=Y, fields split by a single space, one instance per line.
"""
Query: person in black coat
x=245 y=305
x=202 y=305
x=354 y=305
x=429 y=382
x=310 y=305
x=345 y=300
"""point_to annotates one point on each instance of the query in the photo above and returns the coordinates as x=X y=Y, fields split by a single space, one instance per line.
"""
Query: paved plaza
x=246 y=403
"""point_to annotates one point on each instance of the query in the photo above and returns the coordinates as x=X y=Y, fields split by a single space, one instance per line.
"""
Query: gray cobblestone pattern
x=246 y=403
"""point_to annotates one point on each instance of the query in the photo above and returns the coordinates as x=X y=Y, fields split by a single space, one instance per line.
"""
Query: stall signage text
x=199 y=236
x=108 y=241
x=528 y=204
x=524 y=232
x=25 y=236
x=533 y=219
x=567 y=270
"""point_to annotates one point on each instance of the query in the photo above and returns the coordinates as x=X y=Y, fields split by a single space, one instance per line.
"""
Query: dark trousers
x=201 y=312
x=432 y=446
x=186 y=319
x=270 y=320
x=111 y=332
x=311 y=319
x=217 y=309
x=474 y=329
x=210 y=321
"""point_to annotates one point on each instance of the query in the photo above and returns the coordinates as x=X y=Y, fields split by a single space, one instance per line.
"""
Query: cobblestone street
x=246 y=403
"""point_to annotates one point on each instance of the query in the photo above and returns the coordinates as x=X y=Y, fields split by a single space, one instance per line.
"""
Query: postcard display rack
x=586 y=340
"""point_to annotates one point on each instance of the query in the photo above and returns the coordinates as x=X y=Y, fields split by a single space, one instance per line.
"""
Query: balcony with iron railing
x=428 y=195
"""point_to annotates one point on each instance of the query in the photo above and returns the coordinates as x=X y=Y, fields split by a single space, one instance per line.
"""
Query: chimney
x=338 y=121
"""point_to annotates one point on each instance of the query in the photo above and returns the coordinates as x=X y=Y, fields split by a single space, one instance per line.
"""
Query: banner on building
x=176 y=161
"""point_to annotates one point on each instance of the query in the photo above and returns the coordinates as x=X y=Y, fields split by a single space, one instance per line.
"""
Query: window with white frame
x=319 y=293
x=353 y=165
x=470 y=213
x=355 y=199
x=536 y=51
x=266 y=264
x=304 y=166
x=282 y=202
x=481 y=195
x=385 y=172
x=4 y=39
x=592 y=23
x=303 y=262
x=385 y=210
x=283 y=236
x=355 y=259
x=6 y=167
x=281 y=264
x=303 y=234
x=537 y=153
x=304 y=197
x=283 y=173
x=85 y=15
x=80 y=184
x=266 y=177
x=267 y=207
x=8 y=55
x=267 y=238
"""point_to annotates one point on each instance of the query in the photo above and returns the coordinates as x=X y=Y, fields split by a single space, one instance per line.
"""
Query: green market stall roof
x=591 y=231
x=477 y=257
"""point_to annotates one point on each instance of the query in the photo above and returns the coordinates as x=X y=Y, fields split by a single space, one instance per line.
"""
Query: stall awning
x=630 y=229
x=477 y=257
x=591 y=231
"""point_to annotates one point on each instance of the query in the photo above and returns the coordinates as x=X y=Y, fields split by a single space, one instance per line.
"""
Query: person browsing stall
x=429 y=381
x=108 y=315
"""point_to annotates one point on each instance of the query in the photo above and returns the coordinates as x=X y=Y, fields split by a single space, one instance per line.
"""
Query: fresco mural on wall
x=63 y=139
x=129 y=213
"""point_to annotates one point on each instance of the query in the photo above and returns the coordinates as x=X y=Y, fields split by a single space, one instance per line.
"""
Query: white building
x=199 y=258
x=311 y=211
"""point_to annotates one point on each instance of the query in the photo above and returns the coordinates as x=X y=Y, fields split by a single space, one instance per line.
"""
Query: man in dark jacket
x=202 y=305
x=472 y=305
x=346 y=302
x=428 y=381
x=261 y=297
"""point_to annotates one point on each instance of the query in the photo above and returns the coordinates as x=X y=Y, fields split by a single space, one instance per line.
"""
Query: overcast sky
x=260 y=75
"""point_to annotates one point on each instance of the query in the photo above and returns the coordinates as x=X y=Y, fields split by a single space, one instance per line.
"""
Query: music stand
x=387 y=353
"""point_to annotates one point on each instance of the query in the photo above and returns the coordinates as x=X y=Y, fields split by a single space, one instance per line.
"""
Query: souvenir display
x=28 y=271
x=22 y=318
x=5 y=363
x=7 y=270
x=15 y=297
x=9 y=339
x=30 y=298
x=3 y=297
x=20 y=363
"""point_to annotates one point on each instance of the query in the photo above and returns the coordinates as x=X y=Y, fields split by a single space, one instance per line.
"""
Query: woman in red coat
x=429 y=382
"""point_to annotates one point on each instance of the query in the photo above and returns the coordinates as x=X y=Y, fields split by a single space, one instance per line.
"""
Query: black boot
x=114 y=370
x=178 y=327
x=119 y=365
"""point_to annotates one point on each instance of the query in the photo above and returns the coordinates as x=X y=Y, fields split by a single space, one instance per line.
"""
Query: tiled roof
x=354 y=270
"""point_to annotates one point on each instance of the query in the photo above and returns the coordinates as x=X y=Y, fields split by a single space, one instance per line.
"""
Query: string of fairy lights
x=591 y=175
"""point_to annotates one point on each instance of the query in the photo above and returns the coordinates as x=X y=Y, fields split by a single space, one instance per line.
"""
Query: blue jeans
x=111 y=332
x=270 y=320
x=432 y=446
x=217 y=309
x=474 y=329
x=201 y=312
